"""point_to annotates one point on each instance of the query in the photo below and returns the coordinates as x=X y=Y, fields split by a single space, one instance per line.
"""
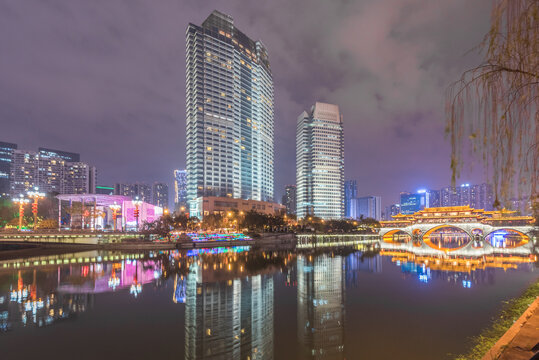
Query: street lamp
x=21 y=200
x=137 y=204
x=115 y=207
x=36 y=195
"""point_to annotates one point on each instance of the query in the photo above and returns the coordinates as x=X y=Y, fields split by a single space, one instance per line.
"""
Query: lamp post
x=136 y=213
x=36 y=195
x=115 y=207
x=21 y=200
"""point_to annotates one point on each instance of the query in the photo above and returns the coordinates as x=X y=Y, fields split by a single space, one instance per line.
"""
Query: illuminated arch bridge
x=459 y=231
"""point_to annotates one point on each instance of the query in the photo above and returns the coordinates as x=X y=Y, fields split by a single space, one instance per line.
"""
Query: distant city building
x=411 y=203
x=141 y=191
x=6 y=158
x=391 y=211
x=23 y=172
x=350 y=192
x=230 y=113
x=51 y=171
x=483 y=197
x=434 y=198
x=369 y=207
x=80 y=178
x=449 y=197
x=479 y=196
x=160 y=195
x=64 y=155
x=289 y=199
x=320 y=162
x=210 y=205
x=180 y=189
x=104 y=190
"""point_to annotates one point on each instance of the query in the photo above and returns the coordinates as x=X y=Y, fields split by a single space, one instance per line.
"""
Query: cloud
x=106 y=78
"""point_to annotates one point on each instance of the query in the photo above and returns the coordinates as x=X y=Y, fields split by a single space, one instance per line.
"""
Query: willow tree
x=496 y=104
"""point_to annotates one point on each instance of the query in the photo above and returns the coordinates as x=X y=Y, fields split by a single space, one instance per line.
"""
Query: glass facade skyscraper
x=229 y=111
x=320 y=162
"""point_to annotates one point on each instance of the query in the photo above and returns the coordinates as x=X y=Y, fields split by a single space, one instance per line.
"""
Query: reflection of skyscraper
x=228 y=320
x=321 y=307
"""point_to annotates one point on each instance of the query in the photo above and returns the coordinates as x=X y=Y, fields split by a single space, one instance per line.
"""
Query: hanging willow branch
x=496 y=105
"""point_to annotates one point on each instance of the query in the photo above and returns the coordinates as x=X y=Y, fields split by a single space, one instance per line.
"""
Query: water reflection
x=321 y=306
x=228 y=318
x=228 y=295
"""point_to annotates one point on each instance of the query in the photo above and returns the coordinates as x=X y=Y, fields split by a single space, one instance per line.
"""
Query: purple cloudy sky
x=106 y=78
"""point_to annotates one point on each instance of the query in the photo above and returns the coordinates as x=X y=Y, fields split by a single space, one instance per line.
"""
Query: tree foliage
x=496 y=104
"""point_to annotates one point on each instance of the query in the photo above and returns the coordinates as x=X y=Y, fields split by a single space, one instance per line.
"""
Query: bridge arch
x=507 y=238
x=438 y=239
x=402 y=236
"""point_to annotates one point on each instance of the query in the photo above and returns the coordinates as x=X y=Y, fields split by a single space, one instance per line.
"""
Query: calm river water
x=244 y=304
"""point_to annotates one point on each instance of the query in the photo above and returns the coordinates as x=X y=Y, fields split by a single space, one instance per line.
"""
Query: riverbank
x=498 y=340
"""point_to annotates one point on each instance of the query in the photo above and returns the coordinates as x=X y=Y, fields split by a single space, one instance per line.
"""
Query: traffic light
x=136 y=213
x=34 y=208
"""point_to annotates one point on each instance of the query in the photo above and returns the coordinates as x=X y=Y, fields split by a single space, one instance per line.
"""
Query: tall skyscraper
x=160 y=195
x=229 y=110
x=6 y=158
x=350 y=192
x=180 y=189
x=289 y=199
x=320 y=162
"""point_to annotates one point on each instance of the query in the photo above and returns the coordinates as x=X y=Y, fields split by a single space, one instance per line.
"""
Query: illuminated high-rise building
x=6 y=158
x=24 y=171
x=229 y=110
x=320 y=162
x=52 y=171
x=180 y=190
x=321 y=307
x=289 y=199
x=350 y=192
x=160 y=195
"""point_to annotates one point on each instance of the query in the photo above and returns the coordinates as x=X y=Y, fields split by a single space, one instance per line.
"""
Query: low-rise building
x=221 y=205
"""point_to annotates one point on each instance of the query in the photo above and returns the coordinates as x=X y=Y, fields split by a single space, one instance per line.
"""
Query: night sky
x=106 y=78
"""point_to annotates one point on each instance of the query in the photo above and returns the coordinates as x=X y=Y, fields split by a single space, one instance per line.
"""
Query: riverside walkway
x=521 y=341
